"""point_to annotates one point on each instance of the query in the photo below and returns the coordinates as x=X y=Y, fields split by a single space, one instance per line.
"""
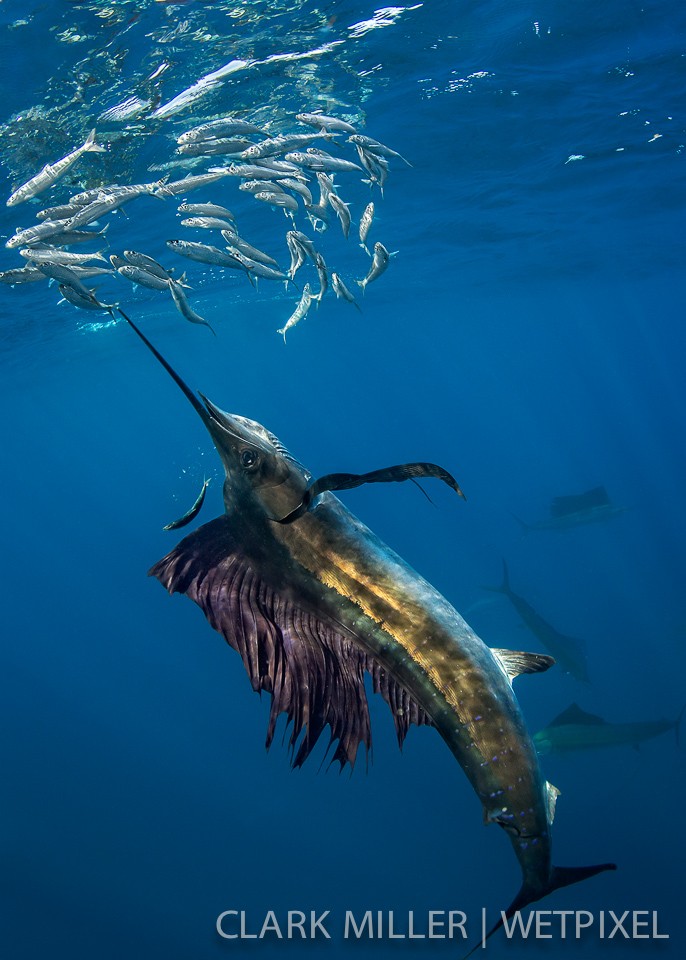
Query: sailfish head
x=261 y=475
x=259 y=469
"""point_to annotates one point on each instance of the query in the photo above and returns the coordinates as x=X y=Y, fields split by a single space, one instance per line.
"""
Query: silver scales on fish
x=287 y=557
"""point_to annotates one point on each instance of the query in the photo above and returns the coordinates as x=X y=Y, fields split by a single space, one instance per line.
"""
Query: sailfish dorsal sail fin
x=576 y=716
x=312 y=668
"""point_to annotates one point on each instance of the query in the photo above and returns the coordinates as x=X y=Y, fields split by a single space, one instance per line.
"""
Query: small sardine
x=237 y=243
x=305 y=243
x=179 y=187
x=380 y=262
x=84 y=303
x=261 y=186
x=184 y=307
x=208 y=223
x=275 y=146
x=21 y=275
x=215 y=147
x=320 y=161
x=283 y=200
x=320 y=120
x=147 y=263
x=326 y=187
x=40 y=231
x=297 y=254
x=373 y=146
x=323 y=275
x=206 y=210
x=376 y=167
x=318 y=216
x=70 y=237
x=297 y=186
x=342 y=212
x=192 y=513
x=65 y=275
x=55 y=255
x=342 y=292
x=300 y=311
x=204 y=253
x=365 y=225
x=251 y=171
x=62 y=212
x=52 y=172
x=223 y=127
x=257 y=269
x=141 y=277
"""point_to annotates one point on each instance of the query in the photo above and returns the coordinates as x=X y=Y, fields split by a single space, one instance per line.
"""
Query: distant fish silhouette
x=574 y=510
x=568 y=651
x=574 y=729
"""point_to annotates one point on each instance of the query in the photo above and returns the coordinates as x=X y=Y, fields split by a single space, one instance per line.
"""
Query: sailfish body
x=313 y=604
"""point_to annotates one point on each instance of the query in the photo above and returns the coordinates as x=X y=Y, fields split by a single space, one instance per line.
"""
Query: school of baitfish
x=288 y=171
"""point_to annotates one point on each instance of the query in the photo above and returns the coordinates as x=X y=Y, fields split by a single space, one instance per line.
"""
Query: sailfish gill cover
x=516 y=318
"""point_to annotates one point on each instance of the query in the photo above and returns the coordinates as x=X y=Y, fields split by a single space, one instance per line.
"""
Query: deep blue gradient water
x=529 y=336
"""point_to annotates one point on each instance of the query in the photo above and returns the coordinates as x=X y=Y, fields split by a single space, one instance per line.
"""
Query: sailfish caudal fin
x=559 y=877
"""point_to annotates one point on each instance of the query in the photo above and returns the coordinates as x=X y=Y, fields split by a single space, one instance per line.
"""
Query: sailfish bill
x=314 y=604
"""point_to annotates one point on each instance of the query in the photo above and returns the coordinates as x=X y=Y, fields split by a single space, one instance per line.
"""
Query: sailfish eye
x=249 y=459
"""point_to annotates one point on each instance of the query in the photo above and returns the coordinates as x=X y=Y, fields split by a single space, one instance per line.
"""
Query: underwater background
x=528 y=336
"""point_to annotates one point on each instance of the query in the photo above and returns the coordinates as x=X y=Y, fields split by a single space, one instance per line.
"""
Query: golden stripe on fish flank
x=341 y=584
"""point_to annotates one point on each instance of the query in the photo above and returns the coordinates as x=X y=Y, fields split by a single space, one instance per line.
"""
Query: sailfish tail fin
x=559 y=877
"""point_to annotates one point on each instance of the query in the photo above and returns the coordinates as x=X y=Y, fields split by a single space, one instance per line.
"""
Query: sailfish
x=313 y=601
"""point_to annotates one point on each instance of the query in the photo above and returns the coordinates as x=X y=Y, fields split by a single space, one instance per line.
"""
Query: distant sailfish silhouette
x=574 y=729
x=568 y=651
x=574 y=510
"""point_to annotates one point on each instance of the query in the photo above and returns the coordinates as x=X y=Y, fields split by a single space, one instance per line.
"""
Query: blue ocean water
x=528 y=336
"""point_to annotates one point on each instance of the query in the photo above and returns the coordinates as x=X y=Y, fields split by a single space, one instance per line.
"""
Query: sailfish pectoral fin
x=313 y=669
x=347 y=481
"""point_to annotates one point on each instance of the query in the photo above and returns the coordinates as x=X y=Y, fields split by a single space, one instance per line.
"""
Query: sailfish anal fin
x=314 y=672
x=517 y=662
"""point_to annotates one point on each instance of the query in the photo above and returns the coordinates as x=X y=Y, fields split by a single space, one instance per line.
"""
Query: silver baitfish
x=380 y=262
x=178 y=187
x=342 y=212
x=342 y=292
x=40 y=231
x=320 y=161
x=323 y=275
x=375 y=147
x=223 y=127
x=65 y=275
x=184 y=307
x=147 y=263
x=247 y=249
x=300 y=311
x=365 y=225
x=320 y=120
x=204 y=253
x=206 y=210
x=261 y=186
x=207 y=223
x=142 y=278
x=84 y=303
x=297 y=254
x=52 y=172
x=282 y=200
x=192 y=513
x=21 y=275
x=55 y=255
x=214 y=147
